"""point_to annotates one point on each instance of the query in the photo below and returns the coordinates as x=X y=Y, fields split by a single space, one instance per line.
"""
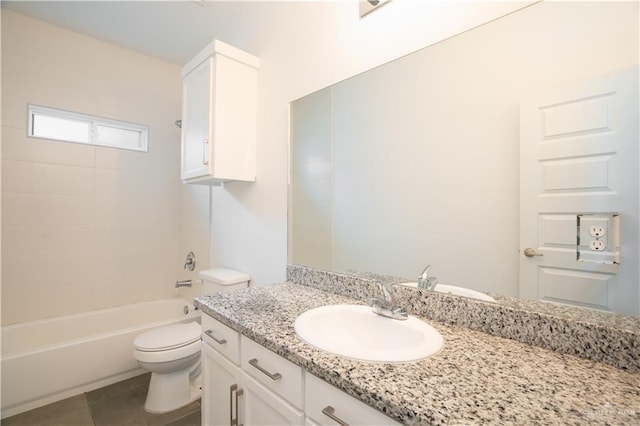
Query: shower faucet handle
x=190 y=262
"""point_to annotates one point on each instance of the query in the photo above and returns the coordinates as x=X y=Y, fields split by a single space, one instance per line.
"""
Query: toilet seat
x=168 y=337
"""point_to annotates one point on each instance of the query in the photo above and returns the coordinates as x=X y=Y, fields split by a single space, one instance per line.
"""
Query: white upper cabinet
x=219 y=109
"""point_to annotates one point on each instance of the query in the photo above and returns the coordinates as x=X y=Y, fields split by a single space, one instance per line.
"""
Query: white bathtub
x=49 y=360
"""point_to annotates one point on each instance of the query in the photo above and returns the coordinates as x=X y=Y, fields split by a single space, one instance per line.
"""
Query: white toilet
x=172 y=352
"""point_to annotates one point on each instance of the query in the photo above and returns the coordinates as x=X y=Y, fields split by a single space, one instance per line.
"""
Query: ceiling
x=173 y=31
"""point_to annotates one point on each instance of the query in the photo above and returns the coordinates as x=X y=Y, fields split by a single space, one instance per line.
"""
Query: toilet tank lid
x=224 y=276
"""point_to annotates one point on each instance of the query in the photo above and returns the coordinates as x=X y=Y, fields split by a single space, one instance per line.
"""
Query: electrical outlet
x=597 y=245
x=597 y=231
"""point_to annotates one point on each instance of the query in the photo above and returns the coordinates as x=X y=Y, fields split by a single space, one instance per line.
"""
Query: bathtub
x=48 y=360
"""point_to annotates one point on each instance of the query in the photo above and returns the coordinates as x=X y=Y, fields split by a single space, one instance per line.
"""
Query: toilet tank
x=219 y=280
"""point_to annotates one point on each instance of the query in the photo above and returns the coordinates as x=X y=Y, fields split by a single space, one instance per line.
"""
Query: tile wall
x=88 y=227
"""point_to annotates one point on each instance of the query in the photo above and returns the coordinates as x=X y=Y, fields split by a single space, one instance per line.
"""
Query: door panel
x=587 y=289
x=579 y=157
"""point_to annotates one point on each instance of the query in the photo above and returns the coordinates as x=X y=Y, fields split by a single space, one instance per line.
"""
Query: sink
x=354 y=331
x=458 y=291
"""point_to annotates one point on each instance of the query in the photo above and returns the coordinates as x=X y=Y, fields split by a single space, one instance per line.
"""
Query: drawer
x=222 y=338
x=273 y=371
x=321 y=398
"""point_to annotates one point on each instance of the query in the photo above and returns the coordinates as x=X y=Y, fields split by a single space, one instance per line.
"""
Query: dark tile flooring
x=114 y=405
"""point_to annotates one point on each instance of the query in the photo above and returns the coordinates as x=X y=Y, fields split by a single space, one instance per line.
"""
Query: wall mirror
x=416 y=162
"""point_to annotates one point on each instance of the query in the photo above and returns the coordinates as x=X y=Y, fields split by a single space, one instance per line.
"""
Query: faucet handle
x=190 y=262
x=425 y=273
x=425 y=281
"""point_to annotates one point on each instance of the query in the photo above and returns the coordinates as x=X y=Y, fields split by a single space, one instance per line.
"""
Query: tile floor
x=114 y=405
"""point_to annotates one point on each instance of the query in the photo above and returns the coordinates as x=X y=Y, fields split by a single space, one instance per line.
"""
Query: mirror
x=416 y=162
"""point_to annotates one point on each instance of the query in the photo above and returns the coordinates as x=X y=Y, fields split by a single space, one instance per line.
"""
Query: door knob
x=530 y=252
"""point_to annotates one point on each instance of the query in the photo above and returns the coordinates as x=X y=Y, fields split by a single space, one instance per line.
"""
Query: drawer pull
x=238 y=392
x=272 y=376
x=329 y=412
x=219 y=341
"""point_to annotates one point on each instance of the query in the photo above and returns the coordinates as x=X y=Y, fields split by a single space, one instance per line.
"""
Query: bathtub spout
x=183 y=283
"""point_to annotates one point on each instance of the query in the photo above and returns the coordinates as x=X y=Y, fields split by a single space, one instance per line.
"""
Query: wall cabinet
x=219 y=115
x=247 y=384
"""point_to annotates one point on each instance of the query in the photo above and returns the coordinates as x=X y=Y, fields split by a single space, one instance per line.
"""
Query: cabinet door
x=196 y=120
x=260 y=406
x=219 y=376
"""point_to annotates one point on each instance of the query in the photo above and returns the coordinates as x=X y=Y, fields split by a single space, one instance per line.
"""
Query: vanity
x=248 y=383
x=264 y=371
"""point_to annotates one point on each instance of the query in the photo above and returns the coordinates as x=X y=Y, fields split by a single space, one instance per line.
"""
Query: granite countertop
x=476 y=378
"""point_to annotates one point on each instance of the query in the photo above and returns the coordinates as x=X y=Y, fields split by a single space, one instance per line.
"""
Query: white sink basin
x=458 y=291
x=356 y=332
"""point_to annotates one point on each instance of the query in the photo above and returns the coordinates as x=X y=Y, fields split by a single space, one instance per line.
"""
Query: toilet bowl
x=172 y=352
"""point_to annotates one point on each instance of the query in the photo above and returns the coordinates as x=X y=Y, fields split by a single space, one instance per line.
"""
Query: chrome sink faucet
x=425 y=281
x=387 y=305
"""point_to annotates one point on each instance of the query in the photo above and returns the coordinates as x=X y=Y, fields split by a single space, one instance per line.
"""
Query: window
x=50 y=123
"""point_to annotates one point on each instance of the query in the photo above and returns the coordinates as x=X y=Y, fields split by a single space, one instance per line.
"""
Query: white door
x=579 y=157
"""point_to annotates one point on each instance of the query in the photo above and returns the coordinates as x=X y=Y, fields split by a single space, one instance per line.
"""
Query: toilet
x=172 y=352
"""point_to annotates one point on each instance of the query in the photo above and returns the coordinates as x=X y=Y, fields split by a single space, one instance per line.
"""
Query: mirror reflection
x=417 y=162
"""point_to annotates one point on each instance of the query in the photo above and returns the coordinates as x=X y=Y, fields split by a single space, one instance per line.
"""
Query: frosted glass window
x=59 y=128
x=60 y=125
x=119 y=137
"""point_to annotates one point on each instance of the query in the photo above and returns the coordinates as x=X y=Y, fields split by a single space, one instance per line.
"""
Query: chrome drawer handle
x=219 y=341
x=234 y=392
x=272 y=376
x=329 y=412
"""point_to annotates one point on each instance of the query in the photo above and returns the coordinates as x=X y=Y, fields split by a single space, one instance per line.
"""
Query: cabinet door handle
x=218 y=341
x=234 y=394
x=205 y=152
x=329 y=412
x=232 y=389
x=272 y=376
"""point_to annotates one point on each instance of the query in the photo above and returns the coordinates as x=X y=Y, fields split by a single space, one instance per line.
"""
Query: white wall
x=310 y=45
x=90 y=227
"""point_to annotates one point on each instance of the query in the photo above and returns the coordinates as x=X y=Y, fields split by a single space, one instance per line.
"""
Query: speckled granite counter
x=476 y=379
x=597 y=336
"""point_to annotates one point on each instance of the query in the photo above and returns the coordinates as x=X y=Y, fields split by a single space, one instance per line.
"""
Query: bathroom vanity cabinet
x=246 y=383
x=455 y=386
x=219 y=110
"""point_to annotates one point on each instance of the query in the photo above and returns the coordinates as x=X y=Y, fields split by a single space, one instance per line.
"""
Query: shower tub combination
x=48 y=360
